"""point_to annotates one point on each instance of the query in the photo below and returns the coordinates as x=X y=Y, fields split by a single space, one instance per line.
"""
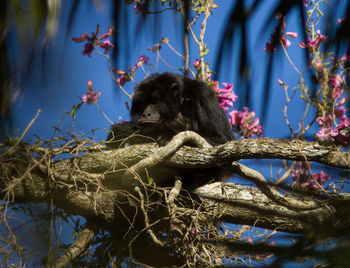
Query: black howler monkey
x=166 y=104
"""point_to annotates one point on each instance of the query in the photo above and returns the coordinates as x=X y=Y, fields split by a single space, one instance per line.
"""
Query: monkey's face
x=156 y=100
x=150 y=115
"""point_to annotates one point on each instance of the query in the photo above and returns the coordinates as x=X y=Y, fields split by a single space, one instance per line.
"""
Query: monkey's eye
x=174 y=88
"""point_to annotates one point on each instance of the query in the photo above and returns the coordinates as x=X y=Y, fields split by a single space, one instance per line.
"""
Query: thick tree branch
x=77 y=185
x=240 y=205
x=246 y=205
x=188 y=157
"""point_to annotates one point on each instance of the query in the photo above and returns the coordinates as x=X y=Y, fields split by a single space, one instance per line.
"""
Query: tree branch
x=77 y=248
x=223 y=155
x=78 y=185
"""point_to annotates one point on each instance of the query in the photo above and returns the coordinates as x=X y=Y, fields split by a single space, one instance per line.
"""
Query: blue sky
x=65 y=75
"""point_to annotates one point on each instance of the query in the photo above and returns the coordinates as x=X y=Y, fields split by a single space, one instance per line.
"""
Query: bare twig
x=9 y=151
x=111 y=73
x=77 y=248
x=149 y=230
x=201 y=37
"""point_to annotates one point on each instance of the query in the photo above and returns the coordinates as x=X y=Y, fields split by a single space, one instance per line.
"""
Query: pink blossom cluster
x=90 y=96
x=335 y=126
x=125 y=76
x=340 y=134
x=335 y=81
x=244 y=121
x=306 y=180
x=270 y=47
x=314 y=44
x=225 y=96
x=94 y=40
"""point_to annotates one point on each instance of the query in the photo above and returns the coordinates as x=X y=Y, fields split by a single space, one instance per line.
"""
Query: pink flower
x=127 y=76
x=325 y=133
x=108 y=34
x=342 y=132
x=292 y=34
x=106 y=45
x=90 y=96
x=196 y=64
x=142 y=59
x=225 y=96
x=121 y=80
x=321 y=177
x=335 y=81
x=286 y=43
x=314 y=44
x=339 y=112
x=88 y=48
x=243 y=121
x=90 y=85
x=335 y=93
x=321 y=37
x=94 y=40
x=314 y=181
x=307 y=180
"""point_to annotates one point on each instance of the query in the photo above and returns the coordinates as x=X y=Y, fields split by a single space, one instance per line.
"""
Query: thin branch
x=79 y=246
x=201 y=36
x=111 y=72
x=147 y=223
x=272 y=193
x=24 y=133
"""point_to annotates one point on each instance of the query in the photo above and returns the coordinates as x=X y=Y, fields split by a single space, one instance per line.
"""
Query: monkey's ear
x=175 y=89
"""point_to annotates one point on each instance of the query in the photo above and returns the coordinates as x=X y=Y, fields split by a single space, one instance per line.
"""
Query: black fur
x=166 y=104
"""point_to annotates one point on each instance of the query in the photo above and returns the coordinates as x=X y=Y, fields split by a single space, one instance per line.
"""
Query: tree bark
x=238 y=204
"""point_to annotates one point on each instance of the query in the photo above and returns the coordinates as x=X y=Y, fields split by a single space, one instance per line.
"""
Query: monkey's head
x=157 y=99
